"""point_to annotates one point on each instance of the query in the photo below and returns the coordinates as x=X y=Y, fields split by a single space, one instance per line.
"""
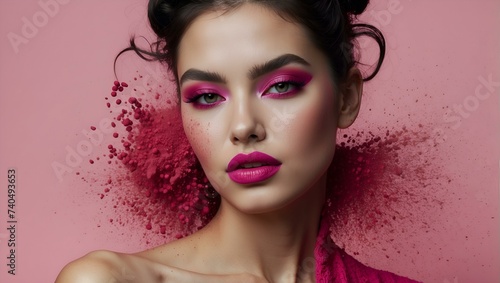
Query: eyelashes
x=278 y=87
x=205 y=100
x=284 y=88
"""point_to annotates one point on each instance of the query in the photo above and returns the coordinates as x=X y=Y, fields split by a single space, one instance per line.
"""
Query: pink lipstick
x=252 y=168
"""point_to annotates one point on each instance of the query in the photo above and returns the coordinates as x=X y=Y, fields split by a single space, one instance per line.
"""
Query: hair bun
x=354 y=7
x=159 y=13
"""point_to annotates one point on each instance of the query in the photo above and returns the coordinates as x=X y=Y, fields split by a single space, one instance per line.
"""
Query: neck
x=278 y=245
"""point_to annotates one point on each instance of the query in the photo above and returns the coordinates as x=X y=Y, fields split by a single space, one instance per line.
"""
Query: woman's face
x=253 y=82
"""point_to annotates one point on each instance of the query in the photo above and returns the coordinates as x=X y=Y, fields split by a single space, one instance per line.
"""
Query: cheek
x=206 y=136
x=197 y=135
x=314 y=125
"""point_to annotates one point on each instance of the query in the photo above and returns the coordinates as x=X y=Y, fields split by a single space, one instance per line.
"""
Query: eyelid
x=281 y=76
x=286 y=74
x=195 y=90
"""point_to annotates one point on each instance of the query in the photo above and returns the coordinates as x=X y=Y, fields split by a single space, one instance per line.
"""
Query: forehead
x=232 y=42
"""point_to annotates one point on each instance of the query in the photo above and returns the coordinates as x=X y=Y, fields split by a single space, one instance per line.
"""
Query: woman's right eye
x=205 y=100
x=208 y=98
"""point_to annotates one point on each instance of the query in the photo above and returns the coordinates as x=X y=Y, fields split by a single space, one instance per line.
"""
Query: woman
x=263 y=87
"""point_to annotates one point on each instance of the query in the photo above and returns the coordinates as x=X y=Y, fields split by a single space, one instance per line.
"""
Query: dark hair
x=329 y=22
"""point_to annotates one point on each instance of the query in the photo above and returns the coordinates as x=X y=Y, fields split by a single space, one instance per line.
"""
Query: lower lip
x=253 y=175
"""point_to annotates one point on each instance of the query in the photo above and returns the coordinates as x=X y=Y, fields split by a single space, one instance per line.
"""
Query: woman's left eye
x=283 y=87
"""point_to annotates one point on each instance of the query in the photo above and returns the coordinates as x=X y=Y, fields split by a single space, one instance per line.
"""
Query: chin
x=266 y=199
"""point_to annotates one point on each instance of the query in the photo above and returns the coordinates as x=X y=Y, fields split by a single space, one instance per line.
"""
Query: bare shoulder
x=167 y=254
x=97 y=266
x=153 y=266
x=111 y=267
x=182 y=253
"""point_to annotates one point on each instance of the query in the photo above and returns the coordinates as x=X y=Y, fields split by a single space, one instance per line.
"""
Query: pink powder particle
x=205 y=210
x=116 y=83
x=115 y=135
x=163 y=229
x=127 y=122
x=113 y=93
x=149 y=226
x=114 y=88
x=93 y=128
x=91 y=161
x=124 y=84
x=113 y=124
x=118 y=101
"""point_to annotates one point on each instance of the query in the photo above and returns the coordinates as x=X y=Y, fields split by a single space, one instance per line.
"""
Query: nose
x=246 y=126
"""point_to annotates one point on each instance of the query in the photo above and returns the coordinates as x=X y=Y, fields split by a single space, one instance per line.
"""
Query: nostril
x=249 y=138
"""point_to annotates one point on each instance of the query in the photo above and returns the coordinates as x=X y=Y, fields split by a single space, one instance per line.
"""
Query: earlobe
x=350 y=98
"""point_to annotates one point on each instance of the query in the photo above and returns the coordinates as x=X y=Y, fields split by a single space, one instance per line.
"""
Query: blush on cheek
x=316 y=124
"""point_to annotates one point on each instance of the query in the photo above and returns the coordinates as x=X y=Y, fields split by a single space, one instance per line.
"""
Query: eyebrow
x=255 y=72
x=274 y=64
x=199 y=75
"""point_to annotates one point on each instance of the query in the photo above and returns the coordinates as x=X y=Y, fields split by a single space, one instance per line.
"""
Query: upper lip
x=254 y=157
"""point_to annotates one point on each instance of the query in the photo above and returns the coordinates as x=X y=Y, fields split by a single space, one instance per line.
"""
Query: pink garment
x=334 y=265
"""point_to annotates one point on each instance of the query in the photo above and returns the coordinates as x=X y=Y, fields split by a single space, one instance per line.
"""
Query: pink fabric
x=334 y=265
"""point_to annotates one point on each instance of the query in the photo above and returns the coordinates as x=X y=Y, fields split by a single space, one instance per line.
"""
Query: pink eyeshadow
x=283 y=74
x=199 y=88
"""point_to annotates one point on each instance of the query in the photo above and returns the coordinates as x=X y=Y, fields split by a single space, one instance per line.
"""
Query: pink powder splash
x=384 y=187
x=163 y=167
x=156 y=181
x=378 y=182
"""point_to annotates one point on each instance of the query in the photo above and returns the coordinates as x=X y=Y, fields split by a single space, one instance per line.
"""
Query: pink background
x=51 y=87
